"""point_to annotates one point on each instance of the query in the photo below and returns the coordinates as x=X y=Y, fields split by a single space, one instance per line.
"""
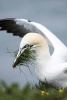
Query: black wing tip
x=4 y=23
x=6 y=20
x=10 y=26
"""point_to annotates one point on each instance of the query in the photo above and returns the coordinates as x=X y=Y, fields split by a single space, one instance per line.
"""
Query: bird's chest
x=47 y=71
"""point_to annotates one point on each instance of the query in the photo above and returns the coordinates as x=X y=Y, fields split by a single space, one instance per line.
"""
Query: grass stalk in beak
x=24 y=57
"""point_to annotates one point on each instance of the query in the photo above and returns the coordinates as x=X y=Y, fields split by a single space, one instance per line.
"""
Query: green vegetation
x=38 y=92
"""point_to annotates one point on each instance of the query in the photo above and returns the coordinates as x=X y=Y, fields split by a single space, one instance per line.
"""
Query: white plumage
x=50 y=68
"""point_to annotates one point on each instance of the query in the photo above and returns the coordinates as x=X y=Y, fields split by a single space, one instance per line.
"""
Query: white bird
x=49 y=68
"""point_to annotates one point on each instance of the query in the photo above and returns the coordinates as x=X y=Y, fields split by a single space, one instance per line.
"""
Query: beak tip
x=17 y=60
x=14 y=64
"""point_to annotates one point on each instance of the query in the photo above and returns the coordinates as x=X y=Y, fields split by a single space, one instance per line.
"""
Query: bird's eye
x=27 y=45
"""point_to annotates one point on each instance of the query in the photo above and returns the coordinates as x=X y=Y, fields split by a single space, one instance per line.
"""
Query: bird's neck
x=43 y=57
x=43 y=54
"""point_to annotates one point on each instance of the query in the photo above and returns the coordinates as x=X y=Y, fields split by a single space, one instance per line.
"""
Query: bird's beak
x=17 y=59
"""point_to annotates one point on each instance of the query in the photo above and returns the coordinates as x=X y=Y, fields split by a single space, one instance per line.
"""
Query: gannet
x=49 y=68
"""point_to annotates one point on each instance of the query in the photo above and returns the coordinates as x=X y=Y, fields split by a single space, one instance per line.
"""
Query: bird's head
x=32 y=42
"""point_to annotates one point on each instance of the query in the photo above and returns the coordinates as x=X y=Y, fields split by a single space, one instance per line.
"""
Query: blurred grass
x=37 y=92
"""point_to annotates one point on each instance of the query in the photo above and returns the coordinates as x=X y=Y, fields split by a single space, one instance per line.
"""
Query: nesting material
x=26 y=58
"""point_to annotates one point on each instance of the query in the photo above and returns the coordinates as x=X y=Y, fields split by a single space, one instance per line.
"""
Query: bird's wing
x=20 y=27
x=58 y=46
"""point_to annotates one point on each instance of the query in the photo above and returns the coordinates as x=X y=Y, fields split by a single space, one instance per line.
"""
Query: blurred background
x=51 y=13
